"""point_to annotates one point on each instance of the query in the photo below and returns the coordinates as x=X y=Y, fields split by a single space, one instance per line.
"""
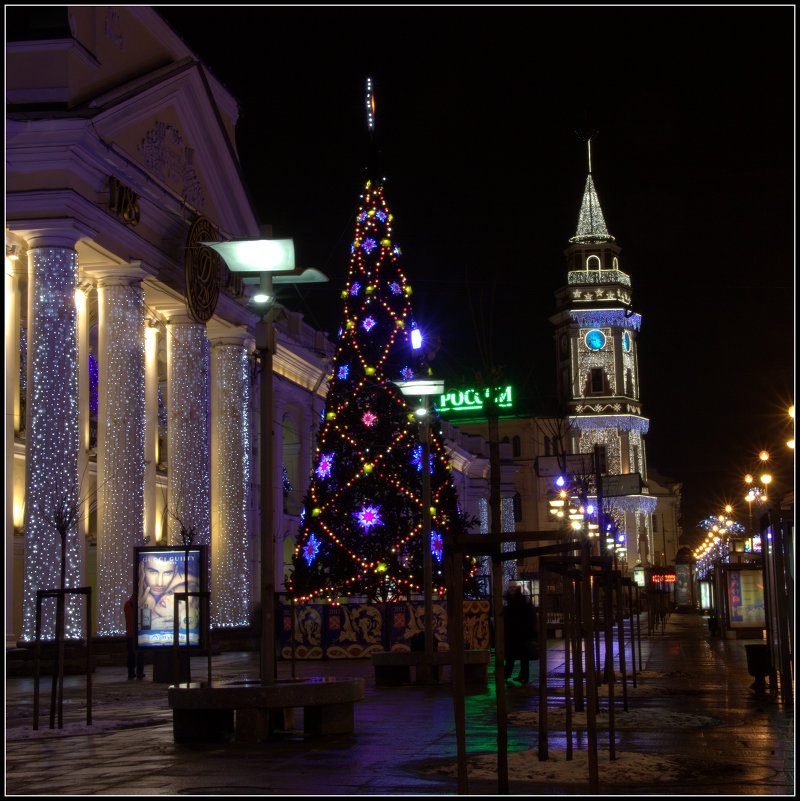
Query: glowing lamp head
x=264 y=294
x=416 y=339
x=560 y=481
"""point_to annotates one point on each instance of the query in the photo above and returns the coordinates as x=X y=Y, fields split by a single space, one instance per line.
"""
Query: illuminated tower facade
x=598 y=376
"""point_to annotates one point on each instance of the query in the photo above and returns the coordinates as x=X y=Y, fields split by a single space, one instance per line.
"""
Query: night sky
x=477 y=109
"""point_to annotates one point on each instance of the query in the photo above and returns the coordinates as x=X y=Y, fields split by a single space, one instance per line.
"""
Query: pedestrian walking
x=135 y=654
x=520 y=633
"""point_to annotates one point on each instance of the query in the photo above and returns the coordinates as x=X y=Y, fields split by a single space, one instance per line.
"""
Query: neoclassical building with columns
x=132 y=382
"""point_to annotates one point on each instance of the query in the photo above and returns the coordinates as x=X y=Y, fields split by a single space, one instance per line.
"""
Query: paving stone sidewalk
x=693 y=727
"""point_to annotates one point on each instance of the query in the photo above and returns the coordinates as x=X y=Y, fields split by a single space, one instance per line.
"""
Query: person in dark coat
x=519 y=632
x=135 y=655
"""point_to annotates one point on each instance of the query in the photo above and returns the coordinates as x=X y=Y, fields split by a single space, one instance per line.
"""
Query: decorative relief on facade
x=168 y=157
x=123 y=202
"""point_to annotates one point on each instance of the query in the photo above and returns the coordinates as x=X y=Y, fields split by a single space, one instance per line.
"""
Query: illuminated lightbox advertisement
x=160 y=572
x=745 y=598
x=683 y=589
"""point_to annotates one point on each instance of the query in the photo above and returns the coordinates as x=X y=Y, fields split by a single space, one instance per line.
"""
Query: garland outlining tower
x=598 y=375
x=362 y=526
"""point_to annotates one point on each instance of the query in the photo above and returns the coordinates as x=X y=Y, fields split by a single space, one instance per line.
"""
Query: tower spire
x=591 y=223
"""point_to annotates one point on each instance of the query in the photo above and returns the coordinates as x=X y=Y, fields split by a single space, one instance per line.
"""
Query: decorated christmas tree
x=362 y=528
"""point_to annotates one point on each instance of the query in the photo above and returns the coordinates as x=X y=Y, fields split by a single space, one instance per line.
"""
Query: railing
x=598 y=277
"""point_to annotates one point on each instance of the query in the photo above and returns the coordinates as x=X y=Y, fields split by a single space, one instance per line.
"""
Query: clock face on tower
x=626 y=341
x=595 y=339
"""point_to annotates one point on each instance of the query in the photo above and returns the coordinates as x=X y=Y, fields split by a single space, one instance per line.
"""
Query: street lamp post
x=266 y=261
x=423 y=389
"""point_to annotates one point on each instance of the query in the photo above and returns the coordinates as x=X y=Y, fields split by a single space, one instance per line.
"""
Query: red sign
x=667 y=577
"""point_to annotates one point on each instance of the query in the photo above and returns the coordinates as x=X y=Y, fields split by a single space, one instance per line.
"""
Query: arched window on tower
x=593 y=263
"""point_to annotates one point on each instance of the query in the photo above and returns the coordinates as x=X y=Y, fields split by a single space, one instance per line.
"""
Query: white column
x=230 y=477
x=188 y=493
x=52 y=437
x=150 y=428
x=13 y=504
x=82 y=298
x=120 y=440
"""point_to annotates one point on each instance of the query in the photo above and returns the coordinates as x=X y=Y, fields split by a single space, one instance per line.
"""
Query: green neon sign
x=472 y=400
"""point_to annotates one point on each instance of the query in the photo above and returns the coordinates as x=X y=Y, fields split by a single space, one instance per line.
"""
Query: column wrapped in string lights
x=52 y=441
x=189 y=482
x=120 y=441
x=230 y=478
x=150 y=428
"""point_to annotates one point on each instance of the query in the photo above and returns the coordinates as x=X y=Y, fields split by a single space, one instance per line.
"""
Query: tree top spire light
x=370 y=106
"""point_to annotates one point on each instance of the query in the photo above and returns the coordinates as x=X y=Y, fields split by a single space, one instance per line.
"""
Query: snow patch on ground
x=628 y=768
x=78 y=728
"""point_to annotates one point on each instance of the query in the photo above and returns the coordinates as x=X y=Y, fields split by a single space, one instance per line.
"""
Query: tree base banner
x=357 y=630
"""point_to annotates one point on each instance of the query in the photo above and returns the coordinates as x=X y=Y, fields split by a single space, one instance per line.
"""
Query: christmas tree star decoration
x=416 y=459
x=368 y=516
x=364 y=480
x=437 y=545
x=311 y=548
x=324 y=467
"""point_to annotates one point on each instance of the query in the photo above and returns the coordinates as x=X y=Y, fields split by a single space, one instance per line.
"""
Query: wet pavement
x=693 y=726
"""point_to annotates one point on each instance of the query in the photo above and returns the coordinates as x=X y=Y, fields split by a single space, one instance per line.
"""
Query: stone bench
x=248 y=712
x=394 y=667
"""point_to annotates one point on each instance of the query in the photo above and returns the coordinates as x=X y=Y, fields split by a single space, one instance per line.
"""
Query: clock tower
x=596 y=333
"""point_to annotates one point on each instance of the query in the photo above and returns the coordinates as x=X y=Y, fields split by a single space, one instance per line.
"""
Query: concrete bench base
x=249 y=712
x=394 y=667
